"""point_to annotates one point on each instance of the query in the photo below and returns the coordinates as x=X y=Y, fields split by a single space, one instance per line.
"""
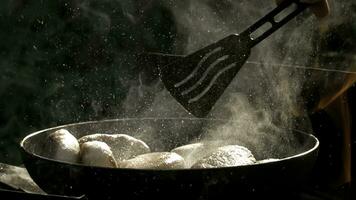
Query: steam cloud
x=263 y=98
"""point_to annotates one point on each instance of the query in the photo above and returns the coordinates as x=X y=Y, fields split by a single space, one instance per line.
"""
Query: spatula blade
x=198 y=80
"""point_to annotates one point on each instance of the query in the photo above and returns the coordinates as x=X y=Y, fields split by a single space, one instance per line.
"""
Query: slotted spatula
x=197 y=80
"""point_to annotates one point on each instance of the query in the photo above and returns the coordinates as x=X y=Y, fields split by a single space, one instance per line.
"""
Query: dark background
x=63 y=62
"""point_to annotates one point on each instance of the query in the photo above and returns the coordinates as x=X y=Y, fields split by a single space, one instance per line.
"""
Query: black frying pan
x=63 y=178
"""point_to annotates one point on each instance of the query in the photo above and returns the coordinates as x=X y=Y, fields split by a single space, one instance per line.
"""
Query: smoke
x=207 y=21
x=71 y=60
x=263 y=100
x=150 y=101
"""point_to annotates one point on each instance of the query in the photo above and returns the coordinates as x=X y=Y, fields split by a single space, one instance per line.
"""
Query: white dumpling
x=188 y=149
x=194 y=152
x=123 y=146
x=156 y=160
x=95 y=153
x=226 y=156
x=62 y=145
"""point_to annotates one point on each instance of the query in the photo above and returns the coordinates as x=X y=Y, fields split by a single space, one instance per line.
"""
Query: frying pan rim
x=315 y=147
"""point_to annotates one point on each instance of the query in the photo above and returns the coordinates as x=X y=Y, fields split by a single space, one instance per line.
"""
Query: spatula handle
x=271 y=19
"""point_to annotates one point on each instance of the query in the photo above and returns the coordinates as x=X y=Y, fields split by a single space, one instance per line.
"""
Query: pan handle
x=17 y=195
x=270 y=19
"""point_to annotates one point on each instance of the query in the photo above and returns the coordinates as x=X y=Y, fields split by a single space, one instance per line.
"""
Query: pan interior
x=161 y=134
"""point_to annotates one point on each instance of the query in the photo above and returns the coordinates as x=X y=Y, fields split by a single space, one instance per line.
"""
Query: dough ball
x=194 y=152
x=226 y=156
x=62 y=145
x=156 y=160
x=95 y=153
x=123 y=146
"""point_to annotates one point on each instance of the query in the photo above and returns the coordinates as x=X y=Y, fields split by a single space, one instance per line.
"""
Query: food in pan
x=96 y=153
x=226 y=156
x=156 y=160
x=194 y=152
x=62 y=145
x=124 y=151
x=122 y=146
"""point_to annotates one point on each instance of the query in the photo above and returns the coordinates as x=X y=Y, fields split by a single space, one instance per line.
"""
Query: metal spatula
x=199 y=79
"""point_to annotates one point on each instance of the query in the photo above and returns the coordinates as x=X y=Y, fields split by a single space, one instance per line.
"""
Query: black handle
x=270 y=18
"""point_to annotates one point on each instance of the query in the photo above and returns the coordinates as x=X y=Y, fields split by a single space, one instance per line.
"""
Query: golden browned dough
x=194 y=152
x=156 y=160
x=95 y=153
x=226 y=156
x=62 y=145
x=122 y=146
